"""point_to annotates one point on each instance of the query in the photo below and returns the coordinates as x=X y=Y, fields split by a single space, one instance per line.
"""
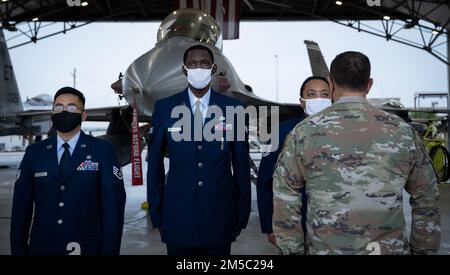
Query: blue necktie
x=64 y=158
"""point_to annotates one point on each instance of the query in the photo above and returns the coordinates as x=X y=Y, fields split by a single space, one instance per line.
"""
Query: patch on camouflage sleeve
x=266 y=149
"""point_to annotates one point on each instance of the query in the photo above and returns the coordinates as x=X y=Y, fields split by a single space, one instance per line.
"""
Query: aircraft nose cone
x=158 y=73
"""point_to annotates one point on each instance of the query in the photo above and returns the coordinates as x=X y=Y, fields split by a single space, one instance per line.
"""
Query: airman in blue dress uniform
x=206 y=201
x=69 y=189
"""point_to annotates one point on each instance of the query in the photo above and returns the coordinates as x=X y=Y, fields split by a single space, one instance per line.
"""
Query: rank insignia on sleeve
x=117 y=172
x=18 y=174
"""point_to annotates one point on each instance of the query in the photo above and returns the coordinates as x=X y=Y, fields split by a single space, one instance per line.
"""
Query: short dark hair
x=70 y=90
x=315 y=77
x=351 y=70
x=198 y=47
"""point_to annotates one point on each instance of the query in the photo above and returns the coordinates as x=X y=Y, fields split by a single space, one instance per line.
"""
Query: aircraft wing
x=418 y=110
x=105 y=114
x=94 y=114
x=39 y=122
x=25 y=123
x=25 y=114
x=286 y=110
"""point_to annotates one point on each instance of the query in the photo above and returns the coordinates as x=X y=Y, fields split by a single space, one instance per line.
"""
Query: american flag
x=226 y=12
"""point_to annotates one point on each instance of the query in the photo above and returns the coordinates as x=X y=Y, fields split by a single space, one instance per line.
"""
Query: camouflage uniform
x=354 y=161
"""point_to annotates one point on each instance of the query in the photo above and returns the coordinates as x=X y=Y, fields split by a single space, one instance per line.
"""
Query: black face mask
x=65 y=121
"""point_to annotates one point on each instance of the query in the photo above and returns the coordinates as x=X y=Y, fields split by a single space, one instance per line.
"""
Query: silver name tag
x=41 y=174
x=174 y=129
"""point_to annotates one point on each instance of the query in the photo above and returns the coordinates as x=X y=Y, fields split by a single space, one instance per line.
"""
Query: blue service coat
x=264 y=187
x=82 y=210
x=207 y=197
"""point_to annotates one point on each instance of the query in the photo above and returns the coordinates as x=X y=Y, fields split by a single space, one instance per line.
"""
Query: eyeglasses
x=71 y=108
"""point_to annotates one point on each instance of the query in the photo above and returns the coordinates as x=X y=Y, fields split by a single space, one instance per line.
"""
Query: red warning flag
x=136 y=163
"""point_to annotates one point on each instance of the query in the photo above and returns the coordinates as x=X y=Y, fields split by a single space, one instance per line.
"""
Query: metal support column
x=448 y=90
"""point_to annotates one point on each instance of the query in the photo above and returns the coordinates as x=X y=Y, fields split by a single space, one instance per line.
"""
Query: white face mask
x=315 y=105
x=199 y=78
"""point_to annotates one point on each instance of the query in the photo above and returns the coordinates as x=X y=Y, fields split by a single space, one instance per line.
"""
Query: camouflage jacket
x=354 y=161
